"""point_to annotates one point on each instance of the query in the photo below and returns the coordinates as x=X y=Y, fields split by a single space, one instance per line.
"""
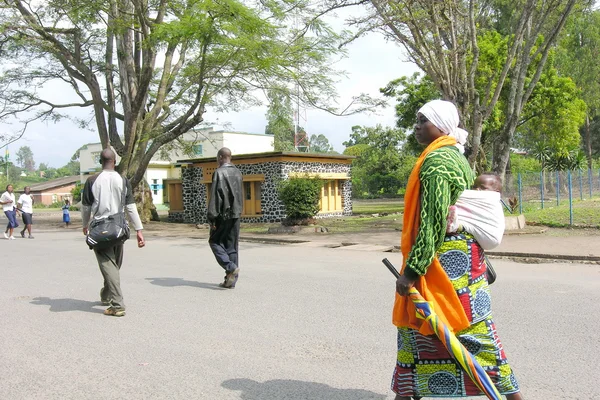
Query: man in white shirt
x=25 y=204
x=101 y=197
x=9 y=207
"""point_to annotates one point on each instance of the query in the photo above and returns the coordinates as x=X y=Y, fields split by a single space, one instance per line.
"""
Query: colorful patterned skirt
x=424 y=367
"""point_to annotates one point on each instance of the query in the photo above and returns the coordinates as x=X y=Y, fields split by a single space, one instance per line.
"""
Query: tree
x=149 y=70
x=552 y=117
x=442 y=38
x=42 y=167
x=320 y=144
x=578 y=58
x=279 y=120
x=25 y=158
x=382 y=168
x=14 y=173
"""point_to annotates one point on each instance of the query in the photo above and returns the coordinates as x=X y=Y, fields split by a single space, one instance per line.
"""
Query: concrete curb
x=564 y=257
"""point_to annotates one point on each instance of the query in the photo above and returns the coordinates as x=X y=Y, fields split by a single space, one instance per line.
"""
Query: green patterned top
x=445 y=174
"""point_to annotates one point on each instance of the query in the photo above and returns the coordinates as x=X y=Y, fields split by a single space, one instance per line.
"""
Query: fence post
x=580 y=186
x=542 y=187
x=557 y=188
x=570 y=199
x=590 y=181
x=520 y=195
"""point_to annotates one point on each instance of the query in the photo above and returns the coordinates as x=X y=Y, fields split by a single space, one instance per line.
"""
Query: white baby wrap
x=480 y=214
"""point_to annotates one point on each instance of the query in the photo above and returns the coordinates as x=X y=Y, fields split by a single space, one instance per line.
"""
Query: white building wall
x=247 y=143
x=155 y=177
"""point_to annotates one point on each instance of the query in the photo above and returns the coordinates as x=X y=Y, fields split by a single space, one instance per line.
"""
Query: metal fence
x=550 y=189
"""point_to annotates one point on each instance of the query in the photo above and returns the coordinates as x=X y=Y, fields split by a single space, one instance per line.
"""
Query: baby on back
x=479 y=212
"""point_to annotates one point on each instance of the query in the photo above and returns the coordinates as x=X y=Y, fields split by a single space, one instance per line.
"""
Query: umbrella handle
x=391 y=267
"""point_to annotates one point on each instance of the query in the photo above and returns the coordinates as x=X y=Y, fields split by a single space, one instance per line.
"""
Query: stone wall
x=273 y=210
x=194 y=195
x=176 y=216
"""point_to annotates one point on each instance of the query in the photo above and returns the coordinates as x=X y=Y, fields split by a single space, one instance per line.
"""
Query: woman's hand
x=403 y=285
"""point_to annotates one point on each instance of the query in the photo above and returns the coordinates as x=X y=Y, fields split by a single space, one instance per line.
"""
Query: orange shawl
x=434 y=286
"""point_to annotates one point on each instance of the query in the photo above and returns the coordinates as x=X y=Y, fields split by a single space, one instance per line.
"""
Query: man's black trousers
x=224 y=241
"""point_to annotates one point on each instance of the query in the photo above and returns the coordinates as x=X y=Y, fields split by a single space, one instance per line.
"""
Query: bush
x=300 y=197
x=76 y=192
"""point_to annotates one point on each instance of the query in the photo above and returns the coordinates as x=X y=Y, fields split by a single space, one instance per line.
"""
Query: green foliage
x=300 y=197
x=320 y=144
x=521 y=163
x=577 y=56
x=553 y=115
x=279 y=120
x=76 y=192
x=382 y=168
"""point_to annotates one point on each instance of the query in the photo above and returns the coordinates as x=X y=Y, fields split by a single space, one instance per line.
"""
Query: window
x=197 y=149
x=155 y=187
x=96 y=157
x=331 y=197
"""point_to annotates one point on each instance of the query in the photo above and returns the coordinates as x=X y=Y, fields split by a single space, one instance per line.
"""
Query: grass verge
x=586 y=213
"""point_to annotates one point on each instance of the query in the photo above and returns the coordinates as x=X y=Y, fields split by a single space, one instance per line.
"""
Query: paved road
x=304 y=323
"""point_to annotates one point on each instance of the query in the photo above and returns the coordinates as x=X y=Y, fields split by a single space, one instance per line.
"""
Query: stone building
x=261 y=172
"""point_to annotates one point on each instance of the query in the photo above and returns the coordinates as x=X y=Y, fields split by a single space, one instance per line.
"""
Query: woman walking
x=449 y=271
x=10 y=210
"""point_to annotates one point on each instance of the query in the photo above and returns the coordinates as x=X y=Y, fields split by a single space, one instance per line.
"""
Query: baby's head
x=488 y=181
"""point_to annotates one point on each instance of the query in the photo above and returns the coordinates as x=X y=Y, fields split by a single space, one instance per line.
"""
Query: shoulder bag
x=110 y=231
x=491 y=273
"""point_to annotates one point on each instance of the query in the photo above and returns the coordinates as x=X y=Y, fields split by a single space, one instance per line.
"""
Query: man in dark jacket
x=224 y=211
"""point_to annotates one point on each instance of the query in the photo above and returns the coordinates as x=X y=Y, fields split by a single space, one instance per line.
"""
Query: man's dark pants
x=224 y=241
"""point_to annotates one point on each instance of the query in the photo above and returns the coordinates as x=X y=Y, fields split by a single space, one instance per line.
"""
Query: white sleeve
x=134 y=217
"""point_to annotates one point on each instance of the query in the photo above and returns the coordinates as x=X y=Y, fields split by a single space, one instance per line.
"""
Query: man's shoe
x=115 y=312
x=231 y=278
x=31 y=237
x=23 y=234
x=225 y=286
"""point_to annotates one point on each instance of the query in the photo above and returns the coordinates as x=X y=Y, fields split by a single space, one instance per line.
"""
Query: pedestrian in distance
x=66 y=214
x=9 y=207
x=224 y=211
x=25 y=204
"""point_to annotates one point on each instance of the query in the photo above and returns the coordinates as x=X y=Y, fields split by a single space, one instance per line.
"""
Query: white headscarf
x=444 y=115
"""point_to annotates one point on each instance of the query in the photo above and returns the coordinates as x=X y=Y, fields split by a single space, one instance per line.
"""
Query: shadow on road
x=295 y=390
x=62 y=305
x=173 y=282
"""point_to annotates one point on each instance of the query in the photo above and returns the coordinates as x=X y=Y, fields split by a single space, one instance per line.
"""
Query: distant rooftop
x=67 y=180
x=273 y=154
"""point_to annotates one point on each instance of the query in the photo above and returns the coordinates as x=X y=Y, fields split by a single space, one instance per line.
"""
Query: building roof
x=272 y=154
x=67 y=180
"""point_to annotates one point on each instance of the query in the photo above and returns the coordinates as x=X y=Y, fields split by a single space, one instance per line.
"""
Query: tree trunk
x=143 y=201
x=476 y=140
x=502 y=150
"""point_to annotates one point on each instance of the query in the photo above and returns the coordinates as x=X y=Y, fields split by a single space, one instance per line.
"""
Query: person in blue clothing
x=66 y=215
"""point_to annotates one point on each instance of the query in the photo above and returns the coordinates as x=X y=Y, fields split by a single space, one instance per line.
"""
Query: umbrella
x=466 y=360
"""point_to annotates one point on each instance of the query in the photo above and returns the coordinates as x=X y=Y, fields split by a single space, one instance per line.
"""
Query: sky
x=371 y=63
